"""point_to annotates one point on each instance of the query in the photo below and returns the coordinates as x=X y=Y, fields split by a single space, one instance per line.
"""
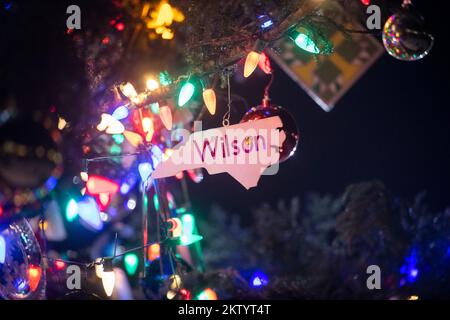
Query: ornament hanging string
x=226 y=116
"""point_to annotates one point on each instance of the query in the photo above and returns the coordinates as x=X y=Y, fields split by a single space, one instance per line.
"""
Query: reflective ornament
x=22 y=273
x=404 y=37
x=289 y=126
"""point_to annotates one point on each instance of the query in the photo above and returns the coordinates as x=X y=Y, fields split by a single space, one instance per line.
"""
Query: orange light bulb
x=251 y=62
x=209 y=97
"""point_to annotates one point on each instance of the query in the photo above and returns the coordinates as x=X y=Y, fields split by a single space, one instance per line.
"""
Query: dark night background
x=392 y=125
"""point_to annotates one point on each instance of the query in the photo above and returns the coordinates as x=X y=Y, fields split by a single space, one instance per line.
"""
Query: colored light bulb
x=84 y=176
x=71 y=210
x=303 y=41
x=152 y=84
x=2 y=249
x=209 y=98
x=128 y=90
x=157 y=155
x=115 y=127
x=156 y=202
x=186 y=240
x=264 y=64
x=131 y=263
x=166 y=117
x=153 y=252
x=89 y=213
x=251 y=62
x=186 y=93
x=105 y=121
x=207 y=294
x=131 y=204
x=133 y=138
x=61 y=123
x=175 y=282
x=98 y=184
x=165 y=15
x=60 y=265
x=98 y=268
x=118 y=138
x=145 y=170
x=108 y=277
x=170 y=200
x=164 y=78
x=120 y=113
x=147 y=126
x=188 y=224
x=259 y=279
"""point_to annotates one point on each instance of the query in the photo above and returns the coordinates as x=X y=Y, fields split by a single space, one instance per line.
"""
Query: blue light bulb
x=120 y=113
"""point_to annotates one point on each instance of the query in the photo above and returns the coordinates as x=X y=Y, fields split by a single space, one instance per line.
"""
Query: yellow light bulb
x=175 y=282
x=209 y=97
x=152 y=84
x=128 y=90
x=167 y=34
x=108 y=277
x=61 y=123
x=116 y=127
x=106 y=120
x=165 y=15
x=133 y=138
x=171 y=294
x=251 y=62
x=108 y=280
x=98 y=268
x=147 y=126
x=84 y=176
x=44 y=225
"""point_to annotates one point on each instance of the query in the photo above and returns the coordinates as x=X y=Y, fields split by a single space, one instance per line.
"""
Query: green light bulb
x=118 y=138
x=186 y=240
x=71 y=210
x=186 y=93
x=164 y=78
x=156 y=202
x=306 y=43
x=155 y=107
x=188 y=224
x=115 y=149
x=131 y=263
